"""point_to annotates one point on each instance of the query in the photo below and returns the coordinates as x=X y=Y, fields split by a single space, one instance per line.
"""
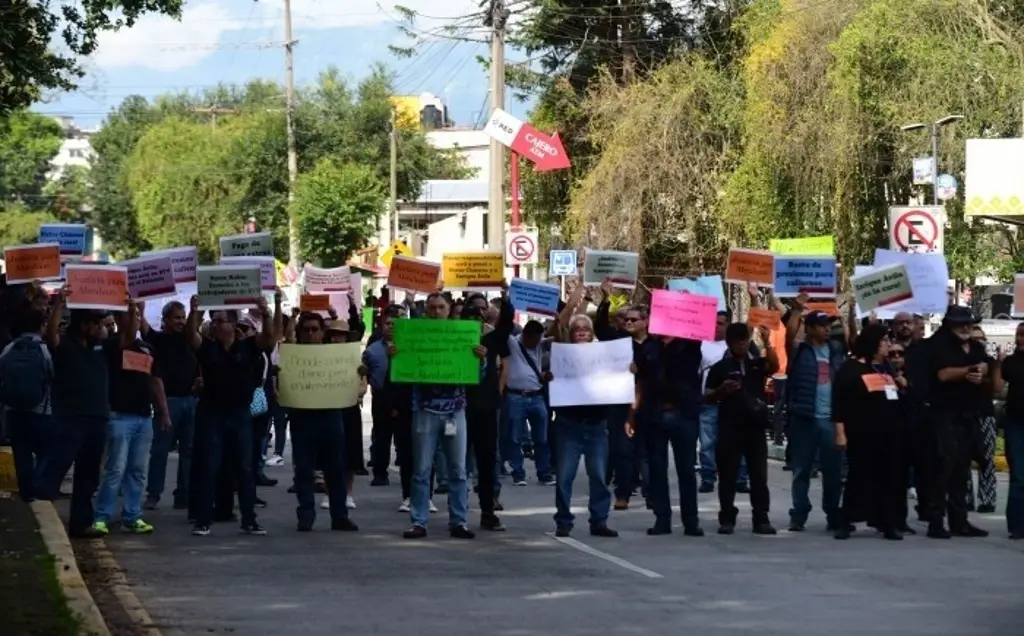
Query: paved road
x=524 y=582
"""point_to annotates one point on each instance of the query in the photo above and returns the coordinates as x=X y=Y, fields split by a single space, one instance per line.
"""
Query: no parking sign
x=916 y=229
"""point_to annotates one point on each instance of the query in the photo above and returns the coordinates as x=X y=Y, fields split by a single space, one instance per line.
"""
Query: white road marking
x=622 y=563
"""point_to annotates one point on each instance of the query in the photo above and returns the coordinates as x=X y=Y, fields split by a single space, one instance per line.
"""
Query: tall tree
x=28 y=143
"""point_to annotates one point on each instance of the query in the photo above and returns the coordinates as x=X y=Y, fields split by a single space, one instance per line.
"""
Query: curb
x=122 y=589
x=80 y=601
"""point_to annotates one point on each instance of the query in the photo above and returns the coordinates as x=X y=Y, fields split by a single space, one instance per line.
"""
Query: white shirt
x=711 y=354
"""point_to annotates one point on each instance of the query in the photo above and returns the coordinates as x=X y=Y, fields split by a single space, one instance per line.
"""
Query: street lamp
x=948 y=119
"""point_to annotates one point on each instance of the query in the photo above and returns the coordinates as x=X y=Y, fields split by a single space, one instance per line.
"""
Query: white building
x=473 y=145
x=75 y=150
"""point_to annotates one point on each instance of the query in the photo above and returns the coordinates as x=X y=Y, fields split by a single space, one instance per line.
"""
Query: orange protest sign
x=761 y=317
x=103 y=287
x=26 y=263
x=750 y=266
x=135 y=361
x=315 y=302
x=413 y=274
x=876 y=382
x=829 y=307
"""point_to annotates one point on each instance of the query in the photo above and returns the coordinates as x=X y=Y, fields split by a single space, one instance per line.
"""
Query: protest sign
x=413 y=274
x=228 y=286
x=683 y=315
x=881 y=287
x=257 y=244
x=750 y=266
x=829 y=307
x=473 y=270
x=26 y=263
x=811 y=275
x=562 y=263
x=103 y=287
x=268 y=274
x=1018 y=295
x=150 y=277
x=806 y=246
x=324 y=376
x=702 y=286
x=533 y=297
x=592 y=373
x=183 y=261
x=136 y=361
x=315 y=302
x=929 y=276
x=436 y=351
x=326 y=279
x=70 y=236
x=618 y=268
x=761 y=317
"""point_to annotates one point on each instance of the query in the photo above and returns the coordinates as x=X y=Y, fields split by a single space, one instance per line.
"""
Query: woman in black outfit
x=871 y=425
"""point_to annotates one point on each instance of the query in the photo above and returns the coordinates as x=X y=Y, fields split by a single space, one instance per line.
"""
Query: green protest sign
x=435 y=351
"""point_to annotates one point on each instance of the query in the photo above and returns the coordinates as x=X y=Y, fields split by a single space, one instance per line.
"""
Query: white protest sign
x=183 y=295
x=268 y=274
x=257 y=244
x=929 y=277
x=592 y=373
x=150 y=277
x=562 y=263
x=881 y=287
x=228 y=286
x=618 y=268
x=327 y=279
x=183 y=260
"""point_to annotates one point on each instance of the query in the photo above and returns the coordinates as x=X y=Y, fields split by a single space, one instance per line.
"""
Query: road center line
x=622 y=563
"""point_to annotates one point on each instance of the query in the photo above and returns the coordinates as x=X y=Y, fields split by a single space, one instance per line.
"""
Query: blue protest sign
x=533 y=297
x=702 y=286
x=562 y=263
x=70 y=236
x=811 y=275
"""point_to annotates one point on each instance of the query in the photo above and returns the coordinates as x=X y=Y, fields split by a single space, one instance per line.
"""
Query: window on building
x=76 y=153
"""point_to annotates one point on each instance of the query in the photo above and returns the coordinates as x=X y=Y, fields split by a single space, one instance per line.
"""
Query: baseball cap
x=816 y=318
x=338 y=325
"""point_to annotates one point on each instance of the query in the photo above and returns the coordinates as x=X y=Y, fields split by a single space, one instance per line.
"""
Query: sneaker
x=404 y=507
x=938 y=531
x=519 y=481
x=350 y=503
x=262 y=480
x=491 y=523
x=325 y=503
x=200 y=531
x=706 y=487
x=563 y=531
x=344 y=525
x=138 y=527
x=98 y=529
x=693 y=531
x=797 y=526
x=726 y=529
x=433 y=508
x=603 y=531
x=765 y=528
x=254 y=529
x=462 y=532
x=415 y=532
x=380 y=481
x=305 y=526
x=498 y=506
x=260 y=503
x=621 y=504
x=276 y=460
x=151 y=503
x=547 y=481
x=362 y=472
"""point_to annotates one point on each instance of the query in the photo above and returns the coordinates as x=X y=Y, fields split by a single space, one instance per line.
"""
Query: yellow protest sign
x=319 y=376
x=806 y=246
x=473 y=270
x=397 y=248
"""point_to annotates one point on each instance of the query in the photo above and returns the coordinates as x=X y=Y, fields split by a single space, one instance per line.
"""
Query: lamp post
x=948 y=119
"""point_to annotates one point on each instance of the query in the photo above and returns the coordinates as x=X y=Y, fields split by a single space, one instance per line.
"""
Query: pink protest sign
x=683 y=315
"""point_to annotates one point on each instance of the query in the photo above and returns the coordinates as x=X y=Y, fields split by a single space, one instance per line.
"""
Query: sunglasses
x=895 y=354
x=628 y=319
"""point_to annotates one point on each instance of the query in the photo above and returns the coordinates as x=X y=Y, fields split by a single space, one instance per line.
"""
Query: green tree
x=337 y=207
x=69 y=195
x=28 y=142
x=30 y=64
x=20 y=225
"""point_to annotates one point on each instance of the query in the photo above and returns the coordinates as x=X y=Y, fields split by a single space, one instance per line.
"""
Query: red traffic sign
x=521 y=246
x=545 y=151
x=916 y=231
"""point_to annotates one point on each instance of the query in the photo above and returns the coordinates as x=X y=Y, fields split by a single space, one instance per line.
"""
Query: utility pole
x=496 y=19
x=289 y=109
x=394 y=173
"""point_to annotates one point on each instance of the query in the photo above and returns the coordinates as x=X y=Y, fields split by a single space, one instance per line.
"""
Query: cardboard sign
x=761 y=317
x=702 y=286
x=683 y=315
x=814 y=276
x=135 y=361
x=327 y=280
x=473 y=270
x=183 y=262
x=592 y=373
x=323 y=376
x=618 y=268
x=436 y=351
x=750 y=266
x=70 y=236
x=150 y=277
x=413 y=274
x=881 y=287
x=258 y=244
x=268 y=273
x=228 y=286
x=26 y=263
x=562 y=263
x=533 y=297
x=806 y=246
x=314 y=302
x=103 y=287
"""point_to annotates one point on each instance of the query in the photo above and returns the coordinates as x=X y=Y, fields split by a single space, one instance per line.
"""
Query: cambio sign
x=545 y=152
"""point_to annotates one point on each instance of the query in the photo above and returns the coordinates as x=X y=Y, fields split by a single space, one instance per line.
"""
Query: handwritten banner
x=814 y=276
x=103 y=287
x=26 y=263
x=881 y=287
x=806 y=246
x=761 y=317
x=592 y=373
x=257 y=244
x=473 y=270
x=323 y=376
x=268 y=272
x=327 y=279
x=150 y=277
x=183 y=261
x=750 y=266
x=702 y=286
x=533 y=297
x=413 y=274
x=436 y=351
x=70 y=236
x=683 y=315
x=228 y=286
x=618 y=268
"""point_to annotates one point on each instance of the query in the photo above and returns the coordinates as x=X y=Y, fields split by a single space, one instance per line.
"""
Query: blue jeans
x=427 y=432
x=129 y=438
x=182 y=411
x=807 y=438
x=440 y=474
x=318 y=440
x=1013 y=432
x=30 y=435
x=660 y=430
x=708 y=441
x=576 y=438
x=522 y=408
x=216 y=432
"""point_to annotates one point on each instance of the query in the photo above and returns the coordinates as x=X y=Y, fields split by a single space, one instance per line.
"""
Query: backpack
x=25 y=372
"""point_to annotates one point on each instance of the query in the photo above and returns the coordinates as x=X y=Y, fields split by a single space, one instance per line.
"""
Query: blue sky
x=233 y=41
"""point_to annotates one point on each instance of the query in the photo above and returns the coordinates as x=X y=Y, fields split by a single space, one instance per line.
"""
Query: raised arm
x=56 y=312
x=192 y=324
x=356 y=326
x=129 y=325
x=273 y=326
